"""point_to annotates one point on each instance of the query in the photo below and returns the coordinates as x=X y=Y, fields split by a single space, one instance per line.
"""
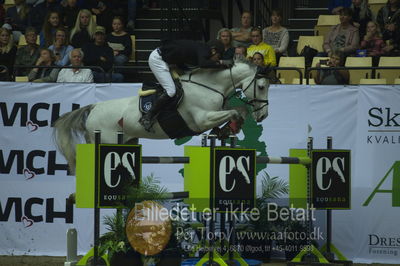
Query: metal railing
x=298 y=70
x=373 y=69
x=307 y=71
x=93 y=68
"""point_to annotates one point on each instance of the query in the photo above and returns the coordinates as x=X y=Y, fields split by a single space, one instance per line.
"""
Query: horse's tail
x=68 y=131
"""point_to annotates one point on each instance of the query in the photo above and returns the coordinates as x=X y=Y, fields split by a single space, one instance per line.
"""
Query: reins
x=235 y=93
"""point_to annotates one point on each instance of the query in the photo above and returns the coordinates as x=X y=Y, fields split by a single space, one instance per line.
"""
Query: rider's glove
x=227 y=63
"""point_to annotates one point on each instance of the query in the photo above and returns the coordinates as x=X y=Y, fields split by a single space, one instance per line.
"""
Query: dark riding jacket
x=187 y=52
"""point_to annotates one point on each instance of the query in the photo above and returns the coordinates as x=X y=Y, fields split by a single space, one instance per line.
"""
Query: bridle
x=250 y=102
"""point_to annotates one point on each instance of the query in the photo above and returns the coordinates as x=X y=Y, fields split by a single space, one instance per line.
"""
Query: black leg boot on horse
x=148 y=119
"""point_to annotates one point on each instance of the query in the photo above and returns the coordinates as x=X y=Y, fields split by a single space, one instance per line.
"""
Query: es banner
x=330 y=179
x=120 y=167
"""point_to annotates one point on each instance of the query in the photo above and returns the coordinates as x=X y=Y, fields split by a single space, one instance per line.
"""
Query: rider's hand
x=226 y=63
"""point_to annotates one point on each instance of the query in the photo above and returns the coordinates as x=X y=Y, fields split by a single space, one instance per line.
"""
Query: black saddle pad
x=146 y=102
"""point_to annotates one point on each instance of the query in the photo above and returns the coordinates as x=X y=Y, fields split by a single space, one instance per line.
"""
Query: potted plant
x=115 y=242
x=174 y=252
x=260 y=247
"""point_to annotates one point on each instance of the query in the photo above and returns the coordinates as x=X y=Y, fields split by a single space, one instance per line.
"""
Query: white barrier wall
x=34 y=216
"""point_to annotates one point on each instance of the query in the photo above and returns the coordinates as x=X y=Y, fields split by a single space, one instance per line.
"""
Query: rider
x=180 y=53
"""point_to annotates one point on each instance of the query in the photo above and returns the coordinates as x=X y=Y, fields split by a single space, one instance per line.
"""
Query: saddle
x=151 y=91
x=169 y=119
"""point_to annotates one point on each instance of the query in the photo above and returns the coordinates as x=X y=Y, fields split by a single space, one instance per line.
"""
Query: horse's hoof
x=71 y=199
x=215 y=131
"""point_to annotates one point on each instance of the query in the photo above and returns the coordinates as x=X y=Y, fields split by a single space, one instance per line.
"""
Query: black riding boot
x=147 y=119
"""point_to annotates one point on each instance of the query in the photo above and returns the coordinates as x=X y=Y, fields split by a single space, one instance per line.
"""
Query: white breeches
x=160 y=70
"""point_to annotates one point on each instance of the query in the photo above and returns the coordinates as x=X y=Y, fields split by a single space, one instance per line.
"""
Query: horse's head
x=255 y=86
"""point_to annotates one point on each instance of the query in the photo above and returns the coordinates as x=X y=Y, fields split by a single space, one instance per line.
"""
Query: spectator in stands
x=373 y=42
x=17 y=17
x=389 y=21
x=120 y=41
x=100 y=54
x=84 y=28
x=336 y=5
x=69 y=13
x=240 y=53
x=258 y=59
x=51 y=23
x=361 y=16
x=241 y=36
x=103 y=12
x=276 y=35
x=61 y=47
x=33 y=3
x=330 y=76
x=38 y=13
x=29 y=53
x=225 y=36
x=259 y=46
x=7 y=54
x=46 y=58
x=2 y=13
x=75 y=74
x=343 y=37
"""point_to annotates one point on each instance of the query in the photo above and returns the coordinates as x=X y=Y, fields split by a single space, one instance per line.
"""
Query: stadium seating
x=373 y=81
x=356 y=75
x=389 y=74
x=325 y=23
x=289 y=75
x=315 y=42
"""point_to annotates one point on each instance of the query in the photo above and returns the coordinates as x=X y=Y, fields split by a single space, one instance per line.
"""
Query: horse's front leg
x=216 y=118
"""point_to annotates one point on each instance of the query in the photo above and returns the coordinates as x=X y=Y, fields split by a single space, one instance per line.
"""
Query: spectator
x=336 y=5
x=373 y=42
x=389 y=22
x=69 y=13
x=241 y=36
x=276 y=35
x=120 y=41
x=132 y=10
x=361 y=16
x=29 y=53
x=51 y=23
x=103 y=12
x=259 y=46
x=342 y=37
x=38 y=13
x=7 y=53
x=46 y=58
x=84 y=28
x=75 y=74
x=2 y=13
x=240 y=53
x=258 y=59
x=225 y=36
x=33 y=3
x=329 y=76
x=79 y=3
x=100 y=54
x=61 y=47
x=17 y=17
